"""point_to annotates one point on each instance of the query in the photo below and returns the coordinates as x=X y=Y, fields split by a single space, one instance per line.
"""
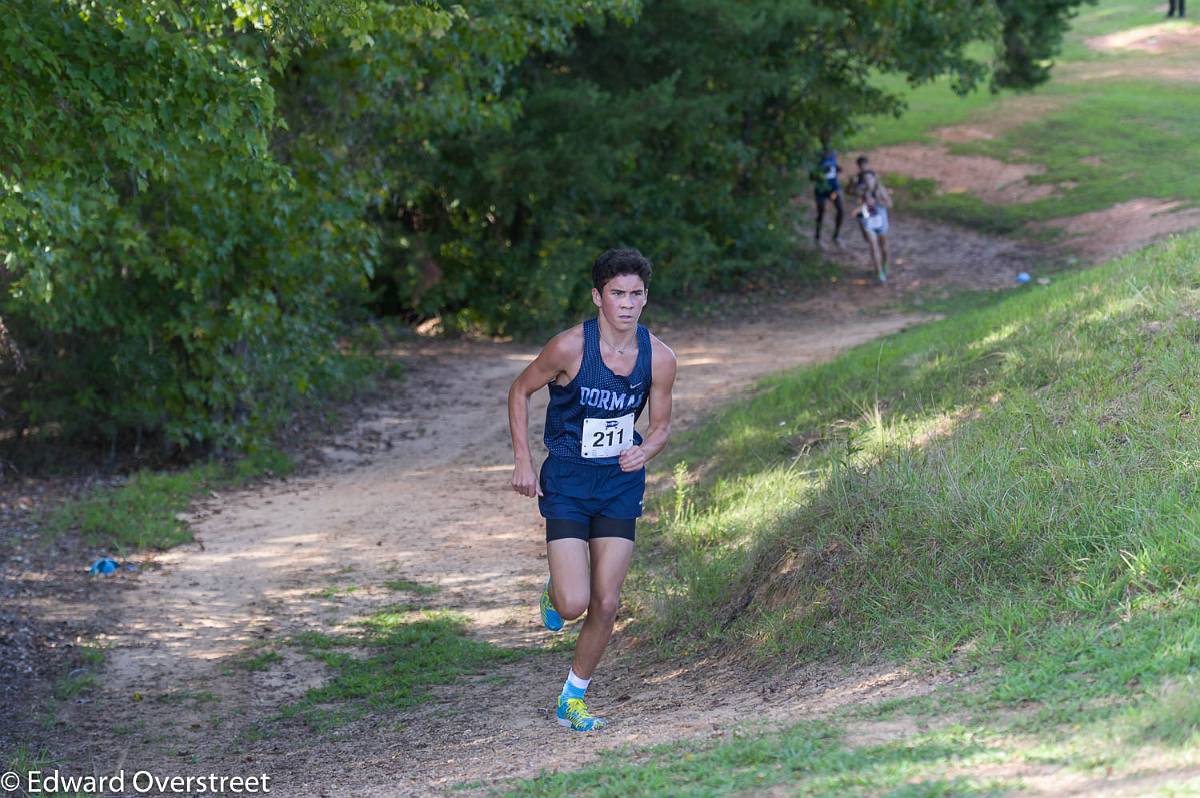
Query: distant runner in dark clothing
x=1175 y=5
x=826 y=187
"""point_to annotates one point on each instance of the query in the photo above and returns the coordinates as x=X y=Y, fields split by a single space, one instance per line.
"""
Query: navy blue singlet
x=596 y=393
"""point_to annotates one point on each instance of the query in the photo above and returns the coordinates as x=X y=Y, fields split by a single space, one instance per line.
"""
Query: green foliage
x=1032 y=32
x=408 y=586
x=164 y=274
x=258 y=662
x=180 y=252
x=686 y=134
x=139 y=515
x=193 y=199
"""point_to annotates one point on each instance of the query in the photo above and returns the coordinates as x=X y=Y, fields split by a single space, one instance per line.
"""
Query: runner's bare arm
x=884 y=196
x=662 y=383
x=556 y=358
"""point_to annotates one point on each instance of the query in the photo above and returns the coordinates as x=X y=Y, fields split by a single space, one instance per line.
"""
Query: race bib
x=606 y=437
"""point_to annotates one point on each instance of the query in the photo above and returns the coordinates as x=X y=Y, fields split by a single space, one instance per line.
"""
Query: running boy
x=600 y=374
x=873 y=203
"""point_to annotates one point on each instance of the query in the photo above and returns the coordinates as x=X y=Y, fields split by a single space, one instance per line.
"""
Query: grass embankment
x=1012 y=489
x=965 y=482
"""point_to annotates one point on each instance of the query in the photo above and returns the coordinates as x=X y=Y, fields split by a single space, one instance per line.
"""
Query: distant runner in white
x=872 y=213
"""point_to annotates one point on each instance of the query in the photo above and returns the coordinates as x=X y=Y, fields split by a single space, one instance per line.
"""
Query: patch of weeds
x=393 y=370
x=92 y=655
x=143 y=513
x=254 y=663
x=256 y=732
x=1173 y=716
x=261 y=463
x=138 y=515
x=74 y=685
x=391 y=664
x=318 y=641
x=560 y=643
x=23 y=761
x=334 y=592
x=408 y=586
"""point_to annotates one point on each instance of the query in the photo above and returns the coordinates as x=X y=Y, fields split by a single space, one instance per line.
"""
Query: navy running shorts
x=580 y=492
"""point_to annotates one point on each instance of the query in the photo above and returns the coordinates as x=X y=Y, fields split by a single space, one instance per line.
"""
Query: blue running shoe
x=573 y=714
x=550 y=617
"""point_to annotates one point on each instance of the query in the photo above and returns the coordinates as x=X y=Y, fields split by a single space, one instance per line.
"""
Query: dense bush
x=178 y=257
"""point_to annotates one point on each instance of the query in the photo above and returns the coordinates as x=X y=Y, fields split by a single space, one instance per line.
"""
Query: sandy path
x=418 y=490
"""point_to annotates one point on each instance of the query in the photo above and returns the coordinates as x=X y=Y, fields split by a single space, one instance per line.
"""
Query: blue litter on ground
x=104 y=565
x=1023 y=277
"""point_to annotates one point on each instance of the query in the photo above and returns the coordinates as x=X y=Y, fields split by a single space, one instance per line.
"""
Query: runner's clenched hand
x=632 y=459
x=524 y=481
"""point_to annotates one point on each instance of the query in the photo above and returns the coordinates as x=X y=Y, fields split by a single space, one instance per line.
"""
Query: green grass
x=408 y=586
x=1108 y=16
x=23 y=760
x=261 y=661
x=1012 y=488
x=1141 y=132
x=398 y=654
x=1100 y=141
x=141 y=514
x=74 y=685
x=811 y=758
x=334 y=592
x=1108 y=143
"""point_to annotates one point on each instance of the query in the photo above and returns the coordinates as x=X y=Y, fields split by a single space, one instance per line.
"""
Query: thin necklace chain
x=613 y=346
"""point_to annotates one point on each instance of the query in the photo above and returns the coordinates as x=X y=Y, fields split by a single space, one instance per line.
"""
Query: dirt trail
x=417 y=490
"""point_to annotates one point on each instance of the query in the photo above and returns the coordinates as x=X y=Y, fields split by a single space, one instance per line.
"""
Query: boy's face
x=621 y=301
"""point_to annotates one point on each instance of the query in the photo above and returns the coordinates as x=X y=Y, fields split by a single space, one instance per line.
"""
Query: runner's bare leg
x=610 y=562
x=570 y=588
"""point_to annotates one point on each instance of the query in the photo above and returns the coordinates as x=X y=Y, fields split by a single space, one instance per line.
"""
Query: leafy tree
x=193 y=197
x=177 y=258
x=686 y=134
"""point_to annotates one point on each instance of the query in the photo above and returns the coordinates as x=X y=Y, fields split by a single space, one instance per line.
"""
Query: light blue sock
x=574 y=687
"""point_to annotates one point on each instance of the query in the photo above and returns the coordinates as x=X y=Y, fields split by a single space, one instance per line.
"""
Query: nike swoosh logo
x=635 y=386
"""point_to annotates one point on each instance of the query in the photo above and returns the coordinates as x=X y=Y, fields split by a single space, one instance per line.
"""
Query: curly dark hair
x=615 y=262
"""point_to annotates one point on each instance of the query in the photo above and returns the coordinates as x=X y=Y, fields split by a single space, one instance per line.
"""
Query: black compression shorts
x=595 y=527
